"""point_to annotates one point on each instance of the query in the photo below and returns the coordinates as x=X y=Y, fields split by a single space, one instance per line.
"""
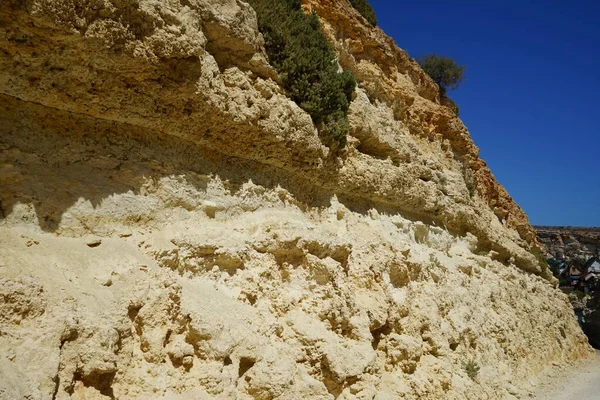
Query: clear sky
x=532 y=96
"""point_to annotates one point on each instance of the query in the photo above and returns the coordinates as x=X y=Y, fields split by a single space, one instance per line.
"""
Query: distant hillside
x=571 y=241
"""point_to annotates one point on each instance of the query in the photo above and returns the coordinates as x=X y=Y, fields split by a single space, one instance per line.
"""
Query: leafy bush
x=446 y=73
x=443 y=70
x=365 y=9
x=307 y=64
x=469 y=177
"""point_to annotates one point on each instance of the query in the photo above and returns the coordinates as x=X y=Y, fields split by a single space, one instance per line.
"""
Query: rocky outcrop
x=172 y=227
x=587 y=307
x=591 y=327
x=394 y=81
x=569 y=242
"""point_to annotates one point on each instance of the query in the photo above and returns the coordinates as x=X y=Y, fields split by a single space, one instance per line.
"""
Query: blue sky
x=531 y=100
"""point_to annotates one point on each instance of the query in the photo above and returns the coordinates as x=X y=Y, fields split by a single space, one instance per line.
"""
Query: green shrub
x=307 y=65
x=446 y=73
x=443 y=70
x=469 y=177
x=365 y=9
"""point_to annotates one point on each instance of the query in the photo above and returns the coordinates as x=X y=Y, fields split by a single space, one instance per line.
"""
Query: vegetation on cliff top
x=307 y=65
x=446 y=73
x=365 y=9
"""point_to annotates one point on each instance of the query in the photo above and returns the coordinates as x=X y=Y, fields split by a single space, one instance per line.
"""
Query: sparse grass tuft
x=471 y=368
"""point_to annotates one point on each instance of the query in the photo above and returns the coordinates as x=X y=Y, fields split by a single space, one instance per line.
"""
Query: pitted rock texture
x=172 y=227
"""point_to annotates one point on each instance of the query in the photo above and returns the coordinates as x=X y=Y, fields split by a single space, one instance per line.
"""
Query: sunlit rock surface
x=172 y=227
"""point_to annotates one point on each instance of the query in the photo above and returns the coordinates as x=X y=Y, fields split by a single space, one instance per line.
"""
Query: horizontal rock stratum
x=171 y=225
x=569 y=242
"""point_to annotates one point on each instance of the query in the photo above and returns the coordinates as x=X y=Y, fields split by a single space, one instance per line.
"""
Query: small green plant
x=469 y=177
x=365 y=9
x=471 y=368
x=307 y=64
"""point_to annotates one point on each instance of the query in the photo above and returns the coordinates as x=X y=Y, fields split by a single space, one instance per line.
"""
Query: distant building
x=572 y=272
x=593 y=266
x=584 y=277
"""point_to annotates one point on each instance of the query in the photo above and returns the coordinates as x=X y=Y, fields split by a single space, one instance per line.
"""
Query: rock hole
x=373 y=146
x=378 y=333
x=251 y=298
x=70 y=334
x=227 y=361
x=453 y=346
x=339 y=253
x=289 y=253
x=133 y=311
x=245 y=365
x=177 y=362
x=333 y=387
x=100 y=382
x=183 y=70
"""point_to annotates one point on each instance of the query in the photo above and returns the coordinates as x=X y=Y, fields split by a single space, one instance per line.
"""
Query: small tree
x=554 y=266
x=443 y=70
x=446 y=73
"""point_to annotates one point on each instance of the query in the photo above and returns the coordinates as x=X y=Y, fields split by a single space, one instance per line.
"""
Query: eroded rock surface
x=172 y=227
x=569 y=242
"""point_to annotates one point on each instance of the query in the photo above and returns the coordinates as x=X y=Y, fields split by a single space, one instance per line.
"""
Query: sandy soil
x=580 y=381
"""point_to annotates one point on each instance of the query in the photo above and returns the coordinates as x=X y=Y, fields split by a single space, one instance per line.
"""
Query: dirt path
x=581 y=382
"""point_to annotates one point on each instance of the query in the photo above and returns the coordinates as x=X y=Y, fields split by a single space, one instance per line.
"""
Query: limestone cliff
x=569 y=241
x=171 y=226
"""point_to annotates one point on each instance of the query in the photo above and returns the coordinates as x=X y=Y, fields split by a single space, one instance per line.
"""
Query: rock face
x=591 y=327
x=570 y=241
x=588 y=307
x=172 y=227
